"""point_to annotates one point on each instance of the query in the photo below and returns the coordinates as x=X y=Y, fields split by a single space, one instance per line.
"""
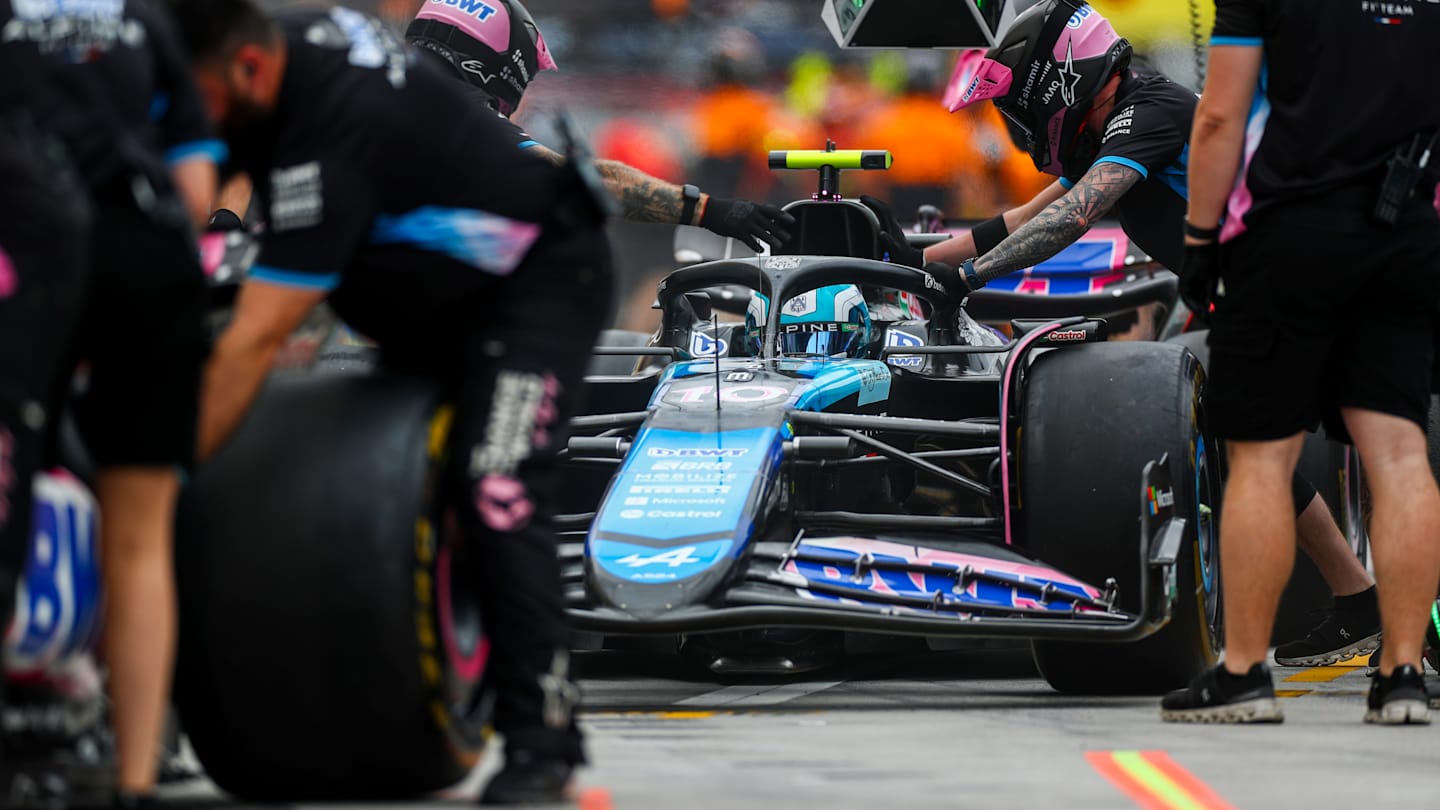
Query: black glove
x=223 y=221
x=952 y=278
x=1200 y=278
x=749 y=222
x=892 y=235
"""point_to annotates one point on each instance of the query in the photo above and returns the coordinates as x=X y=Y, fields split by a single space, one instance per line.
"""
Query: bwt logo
x=474 y=8
x=1078 y=18
x=702 y=452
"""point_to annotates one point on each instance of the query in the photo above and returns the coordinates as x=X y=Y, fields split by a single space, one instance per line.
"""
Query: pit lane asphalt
x=974 y=729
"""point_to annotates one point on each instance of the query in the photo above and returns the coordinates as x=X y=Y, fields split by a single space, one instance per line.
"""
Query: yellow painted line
x=1320 y=674
x=1291 y=693
x=686 y=715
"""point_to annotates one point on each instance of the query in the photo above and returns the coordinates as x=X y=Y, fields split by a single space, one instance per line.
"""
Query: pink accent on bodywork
x=1007 y=382
x=486 y=20
x=923 y=556
x=1092 y=39
x=9 y=278
x=469 y=667
x=976 y=79
x=504 y=503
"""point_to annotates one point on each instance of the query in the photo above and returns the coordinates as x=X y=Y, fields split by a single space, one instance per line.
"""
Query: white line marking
x=757 y=695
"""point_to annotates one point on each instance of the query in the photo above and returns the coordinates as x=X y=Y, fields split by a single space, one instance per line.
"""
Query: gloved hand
x=892 y=235
x=749 y=222
x=224 y=220
x=1200 y=278
x=952 y=278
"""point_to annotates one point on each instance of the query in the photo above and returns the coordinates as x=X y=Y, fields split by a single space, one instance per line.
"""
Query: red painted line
x=595 y=799
x=1189 y=781
x=1105 y=764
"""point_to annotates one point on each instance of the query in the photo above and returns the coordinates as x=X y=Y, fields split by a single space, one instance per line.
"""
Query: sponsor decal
x=813 y=328
x=297 y=197
x=1161 y=499
x=644 y=564
x=478 y=68
x=1078 y=18
x=1119 y=123
x=702 y=345
x=83 y=30
x=522 y=411
x=783 y=262
x=708 y=452
x=475 y=8
x=1068 y=335
x=802 y=304
x=633 y=514
x=637 y=501
x=57 y=606
x=899 y=339
x=737 y=395
x=739 y=376
x=1069 y=78
x=689 y=466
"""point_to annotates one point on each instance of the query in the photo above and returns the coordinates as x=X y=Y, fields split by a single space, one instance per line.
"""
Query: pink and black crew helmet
x=1043 y=76
x=493 y=44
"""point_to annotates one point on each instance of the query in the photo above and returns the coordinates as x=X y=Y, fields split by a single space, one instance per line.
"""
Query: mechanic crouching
x=429 y=227
x=1330 y=221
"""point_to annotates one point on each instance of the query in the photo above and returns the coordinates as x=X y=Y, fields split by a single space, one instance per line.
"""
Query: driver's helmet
x=1043 y=76
x=493 y=44
x=828 y=322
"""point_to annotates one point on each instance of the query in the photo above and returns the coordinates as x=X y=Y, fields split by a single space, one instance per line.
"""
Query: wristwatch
x=692 y=199
x=971 y=277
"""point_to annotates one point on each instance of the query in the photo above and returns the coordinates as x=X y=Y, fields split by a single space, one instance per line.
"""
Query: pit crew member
x=419 y=217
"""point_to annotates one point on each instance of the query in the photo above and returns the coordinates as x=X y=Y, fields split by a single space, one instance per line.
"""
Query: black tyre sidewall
x=1092 y=417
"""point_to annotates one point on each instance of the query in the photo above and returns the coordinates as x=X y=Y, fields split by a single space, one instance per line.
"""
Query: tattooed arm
x=642 y=198
x=1061 y=224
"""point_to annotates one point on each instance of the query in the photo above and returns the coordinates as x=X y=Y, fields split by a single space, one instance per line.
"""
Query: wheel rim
x=1207 y=538
x=462 y=635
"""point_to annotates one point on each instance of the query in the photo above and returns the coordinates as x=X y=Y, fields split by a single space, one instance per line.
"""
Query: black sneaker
x=526 y=779
x=1341 y=635
x=1399 y=699
x=1216 y=696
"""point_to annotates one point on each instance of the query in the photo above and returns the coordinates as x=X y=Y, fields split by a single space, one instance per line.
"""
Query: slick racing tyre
x=1334 y=470
x=330 y=643
x=1092 y=417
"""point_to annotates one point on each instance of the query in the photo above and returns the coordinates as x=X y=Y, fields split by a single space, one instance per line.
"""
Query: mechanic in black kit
x=497 y=50
x=1119 y=142
x=105 y=270
x=429 y=228
x=1312 y=210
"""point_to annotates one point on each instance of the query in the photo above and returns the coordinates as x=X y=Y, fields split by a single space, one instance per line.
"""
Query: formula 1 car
x=943 y=481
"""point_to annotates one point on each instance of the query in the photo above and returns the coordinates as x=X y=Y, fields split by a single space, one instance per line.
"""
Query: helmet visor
x=976 y=78
x=820 y=339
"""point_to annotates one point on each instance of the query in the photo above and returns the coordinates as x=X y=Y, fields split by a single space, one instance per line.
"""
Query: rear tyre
x=330 y=644
x=1093 y=416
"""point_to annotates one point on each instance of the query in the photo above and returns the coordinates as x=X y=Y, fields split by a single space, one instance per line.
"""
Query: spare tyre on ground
x=330 y=643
